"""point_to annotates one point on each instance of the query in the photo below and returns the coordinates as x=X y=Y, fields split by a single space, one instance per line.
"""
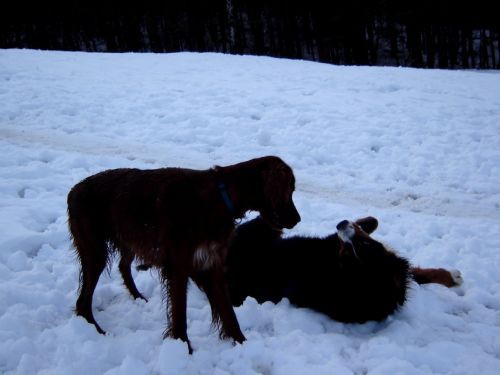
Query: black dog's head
x=355 y=238
x=278 y=184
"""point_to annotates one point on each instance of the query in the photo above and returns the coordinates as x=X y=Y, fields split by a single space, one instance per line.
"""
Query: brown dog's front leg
x=214 y=285
x=177 y=280
x=436 y=275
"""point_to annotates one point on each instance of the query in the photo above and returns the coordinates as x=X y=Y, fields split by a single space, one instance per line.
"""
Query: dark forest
x=430 y=34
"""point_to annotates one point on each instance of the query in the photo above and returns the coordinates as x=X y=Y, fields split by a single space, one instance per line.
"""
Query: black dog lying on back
x=348 y=275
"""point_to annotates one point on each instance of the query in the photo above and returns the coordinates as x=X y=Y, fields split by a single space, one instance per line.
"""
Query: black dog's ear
x=368 y=224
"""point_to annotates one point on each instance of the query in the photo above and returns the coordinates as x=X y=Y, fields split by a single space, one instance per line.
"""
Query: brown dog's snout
x=291 y=217
x=286 y=216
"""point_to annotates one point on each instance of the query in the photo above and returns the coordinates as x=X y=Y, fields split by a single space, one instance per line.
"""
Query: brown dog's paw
x=456 y=276
x=142 y=267
x=368 y=224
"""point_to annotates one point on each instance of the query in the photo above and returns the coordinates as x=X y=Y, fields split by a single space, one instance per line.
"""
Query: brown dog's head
x=278 y=184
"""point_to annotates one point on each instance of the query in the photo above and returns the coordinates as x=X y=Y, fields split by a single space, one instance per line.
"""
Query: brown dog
x=178 y=220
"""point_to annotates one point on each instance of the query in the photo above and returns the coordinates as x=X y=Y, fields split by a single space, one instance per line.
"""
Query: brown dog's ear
x=278 y=181
x=368 y=224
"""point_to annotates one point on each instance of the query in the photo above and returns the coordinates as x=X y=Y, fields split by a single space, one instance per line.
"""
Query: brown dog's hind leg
x=93 y=257
x=436 y=275
x=124 y=266
x=177 y=280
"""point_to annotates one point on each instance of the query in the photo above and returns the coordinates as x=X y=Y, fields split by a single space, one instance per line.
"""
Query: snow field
x=418 y=149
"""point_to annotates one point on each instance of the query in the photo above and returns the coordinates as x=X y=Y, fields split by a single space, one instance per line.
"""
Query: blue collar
x=225 y=197
x=219 y=178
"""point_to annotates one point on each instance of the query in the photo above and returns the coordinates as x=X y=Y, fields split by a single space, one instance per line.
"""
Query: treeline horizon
x=425 y=34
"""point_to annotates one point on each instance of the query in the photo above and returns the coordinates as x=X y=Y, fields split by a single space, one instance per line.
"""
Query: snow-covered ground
x=418 y=149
